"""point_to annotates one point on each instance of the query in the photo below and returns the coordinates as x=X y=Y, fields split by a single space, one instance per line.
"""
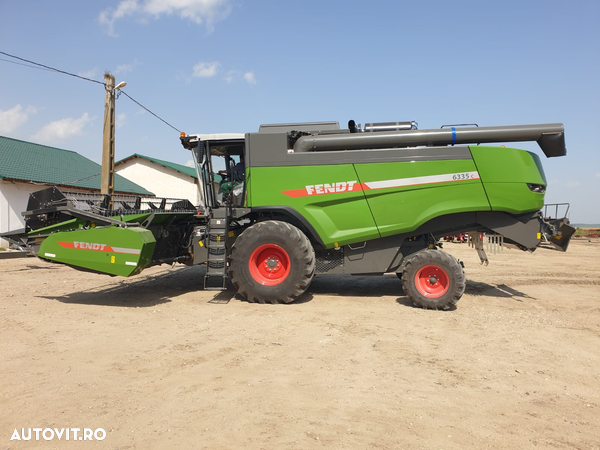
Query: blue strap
x=453 y=135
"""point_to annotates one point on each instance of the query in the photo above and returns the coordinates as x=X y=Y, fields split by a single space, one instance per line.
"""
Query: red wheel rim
x=269 y=264
x=432 y=281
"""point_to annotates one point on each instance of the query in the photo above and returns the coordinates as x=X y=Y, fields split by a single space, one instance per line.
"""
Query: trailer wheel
x=433 y=279
x=272 y=262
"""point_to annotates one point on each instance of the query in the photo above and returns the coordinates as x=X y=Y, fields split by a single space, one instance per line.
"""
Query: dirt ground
x=159 y=363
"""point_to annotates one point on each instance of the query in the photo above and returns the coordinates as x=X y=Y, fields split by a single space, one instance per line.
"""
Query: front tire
x=272 y=262
x=433 y=279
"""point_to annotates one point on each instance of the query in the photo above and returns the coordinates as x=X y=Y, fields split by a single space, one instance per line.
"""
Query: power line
x=135 y=101
x=24 y=65
x=52 y=69
x=81 y=179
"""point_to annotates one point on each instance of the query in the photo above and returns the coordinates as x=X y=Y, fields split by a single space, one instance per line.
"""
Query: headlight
x=538 y=188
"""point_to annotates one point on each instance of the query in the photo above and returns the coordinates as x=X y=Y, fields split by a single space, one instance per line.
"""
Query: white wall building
x=13 y=201
x=26 y=167
x=163 y=178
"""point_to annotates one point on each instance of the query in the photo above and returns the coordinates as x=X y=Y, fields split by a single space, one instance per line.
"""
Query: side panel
x=404 y=195
x=329 y=197
x=505 y=173
x=111 y=250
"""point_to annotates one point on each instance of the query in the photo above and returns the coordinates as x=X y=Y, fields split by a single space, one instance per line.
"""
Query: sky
x=212 y=66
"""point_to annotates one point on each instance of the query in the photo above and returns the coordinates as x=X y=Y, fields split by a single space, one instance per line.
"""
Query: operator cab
x=219 y=160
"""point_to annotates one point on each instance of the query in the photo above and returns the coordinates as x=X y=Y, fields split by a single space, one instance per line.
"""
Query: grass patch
x=581 y=232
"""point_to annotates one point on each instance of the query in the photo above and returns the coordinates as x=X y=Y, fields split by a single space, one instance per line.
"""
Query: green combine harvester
x=314 y=198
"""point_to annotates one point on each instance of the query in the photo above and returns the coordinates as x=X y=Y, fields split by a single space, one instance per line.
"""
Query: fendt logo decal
x=98 y=247
x=318 y=189
x=89 y=245
x=353 y=186
x=325 y=188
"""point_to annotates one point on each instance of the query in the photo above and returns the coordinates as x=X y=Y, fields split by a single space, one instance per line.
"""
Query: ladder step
x=216 y=265
x=219 y=266
x=210 y=283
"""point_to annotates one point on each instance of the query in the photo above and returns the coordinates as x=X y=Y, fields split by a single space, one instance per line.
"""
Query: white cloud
x=189 y=163
x=235 y=75
x=13 y=118
x=88 y=73
x=109 y=16
x=63 y=129
x=206 y=70
x=206 y=12
x=598 y=175
x=571 y=184
x=120 y=120
x=250 y=77
x=125 y=68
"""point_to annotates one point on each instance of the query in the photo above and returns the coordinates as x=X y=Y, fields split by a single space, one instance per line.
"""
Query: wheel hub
x=269 y=264
x=272 y=264
x=432 y=281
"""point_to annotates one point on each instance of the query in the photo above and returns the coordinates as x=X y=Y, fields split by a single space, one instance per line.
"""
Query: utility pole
x=107 y=183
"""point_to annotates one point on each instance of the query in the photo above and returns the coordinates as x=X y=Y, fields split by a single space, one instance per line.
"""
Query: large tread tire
x=433 y=279
x=272 y=262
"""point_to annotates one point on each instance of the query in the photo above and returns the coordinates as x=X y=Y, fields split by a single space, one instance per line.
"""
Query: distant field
x=587 y=232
